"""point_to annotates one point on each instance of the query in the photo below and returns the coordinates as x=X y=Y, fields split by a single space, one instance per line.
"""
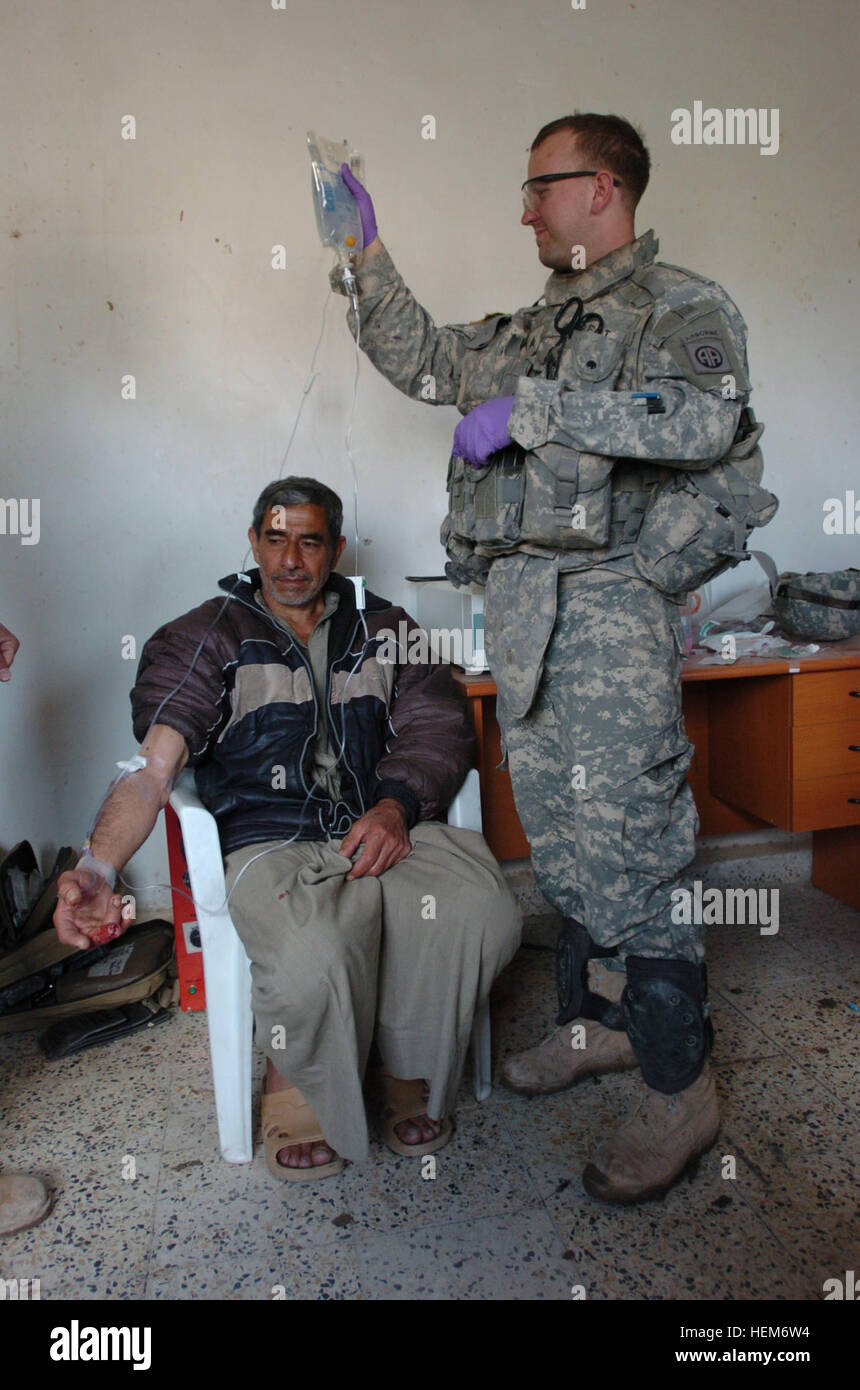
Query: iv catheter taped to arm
x=131 y=806
x=161 y=774
x=98 y=866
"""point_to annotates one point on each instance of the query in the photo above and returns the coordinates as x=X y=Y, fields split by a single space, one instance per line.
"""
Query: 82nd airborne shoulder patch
x=704 y=348
x=707 y=352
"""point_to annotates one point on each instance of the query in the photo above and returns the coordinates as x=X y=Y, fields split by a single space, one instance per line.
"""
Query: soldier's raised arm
x=397 y=334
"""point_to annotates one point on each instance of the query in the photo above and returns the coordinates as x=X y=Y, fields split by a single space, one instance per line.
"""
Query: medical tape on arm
x=97 y=866
x=151 y=789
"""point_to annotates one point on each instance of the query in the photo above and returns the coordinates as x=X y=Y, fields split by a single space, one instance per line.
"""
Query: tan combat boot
x=24 y=1201
x=649 y=1150
x=556 y=1063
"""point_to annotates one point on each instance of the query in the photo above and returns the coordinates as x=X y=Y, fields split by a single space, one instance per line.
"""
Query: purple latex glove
x=365 y=204
x=484 y=430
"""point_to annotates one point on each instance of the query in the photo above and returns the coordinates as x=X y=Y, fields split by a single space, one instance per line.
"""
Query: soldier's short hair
x=607 y=142
x=300 y=492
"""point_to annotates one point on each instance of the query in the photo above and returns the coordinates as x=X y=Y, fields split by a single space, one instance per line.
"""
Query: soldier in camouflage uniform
x=586 y=654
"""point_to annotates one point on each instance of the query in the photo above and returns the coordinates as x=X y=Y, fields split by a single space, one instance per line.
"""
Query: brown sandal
x=406 y=1100
x=288 y=1120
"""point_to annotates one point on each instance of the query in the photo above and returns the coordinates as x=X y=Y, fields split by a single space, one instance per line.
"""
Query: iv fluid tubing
x=133 y=765
x=352 y=289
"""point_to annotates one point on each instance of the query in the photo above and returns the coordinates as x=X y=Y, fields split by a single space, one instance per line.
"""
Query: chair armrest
x=465 y=809
x=202 y=848
x=184 y=792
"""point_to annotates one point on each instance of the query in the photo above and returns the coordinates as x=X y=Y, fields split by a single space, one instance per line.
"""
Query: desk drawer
x=826 y=697
x=822 y=803
x=826 y=750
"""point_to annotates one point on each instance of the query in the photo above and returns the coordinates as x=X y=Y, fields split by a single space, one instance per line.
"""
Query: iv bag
x=338 y=219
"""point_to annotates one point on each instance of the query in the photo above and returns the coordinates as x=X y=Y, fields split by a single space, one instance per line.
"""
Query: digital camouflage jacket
x=598 y=451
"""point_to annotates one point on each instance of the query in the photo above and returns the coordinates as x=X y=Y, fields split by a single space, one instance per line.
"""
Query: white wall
x=144 y=504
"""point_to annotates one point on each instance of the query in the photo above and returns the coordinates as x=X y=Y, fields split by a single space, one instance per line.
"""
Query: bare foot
x=297 y=1155
x=306 y=1155
x=419 y=1130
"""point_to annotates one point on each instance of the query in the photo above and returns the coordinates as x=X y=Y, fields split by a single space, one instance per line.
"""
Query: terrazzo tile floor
x=505 y=1216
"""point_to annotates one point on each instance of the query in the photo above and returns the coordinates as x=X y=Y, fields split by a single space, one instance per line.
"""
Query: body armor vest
x=681 y=526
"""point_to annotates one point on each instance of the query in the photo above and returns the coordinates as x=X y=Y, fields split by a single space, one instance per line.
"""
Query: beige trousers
x=411 y=954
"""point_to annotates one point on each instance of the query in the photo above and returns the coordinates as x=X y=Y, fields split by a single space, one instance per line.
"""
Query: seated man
x=328 y=769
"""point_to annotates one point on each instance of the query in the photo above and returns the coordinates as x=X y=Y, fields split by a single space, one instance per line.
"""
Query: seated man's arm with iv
x=175 y=710
x=87 y=900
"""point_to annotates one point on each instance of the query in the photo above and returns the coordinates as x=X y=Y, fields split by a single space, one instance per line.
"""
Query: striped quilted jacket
x=248 y=712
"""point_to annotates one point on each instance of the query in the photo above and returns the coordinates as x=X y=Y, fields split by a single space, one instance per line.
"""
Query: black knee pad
x=573 y=951
x=667 y=1018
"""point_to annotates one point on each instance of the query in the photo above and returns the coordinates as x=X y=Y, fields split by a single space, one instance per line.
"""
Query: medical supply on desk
x=453 y=619
x=750 y=609
x=766 y=643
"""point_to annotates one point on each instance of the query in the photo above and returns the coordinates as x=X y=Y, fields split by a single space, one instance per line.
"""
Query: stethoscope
x=569 y=320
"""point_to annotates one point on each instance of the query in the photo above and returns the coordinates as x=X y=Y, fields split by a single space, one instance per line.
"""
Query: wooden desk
x=777 y=744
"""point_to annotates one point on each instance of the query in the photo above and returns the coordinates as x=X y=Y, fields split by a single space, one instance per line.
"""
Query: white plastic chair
x=227 y=970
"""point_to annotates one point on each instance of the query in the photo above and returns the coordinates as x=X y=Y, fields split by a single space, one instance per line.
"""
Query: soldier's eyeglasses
x=531 y=195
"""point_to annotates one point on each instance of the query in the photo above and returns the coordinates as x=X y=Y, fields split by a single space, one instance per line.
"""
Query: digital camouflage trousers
x=599 y=762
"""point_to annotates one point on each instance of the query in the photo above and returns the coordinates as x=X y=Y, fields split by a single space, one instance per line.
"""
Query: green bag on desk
x=819 y=607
